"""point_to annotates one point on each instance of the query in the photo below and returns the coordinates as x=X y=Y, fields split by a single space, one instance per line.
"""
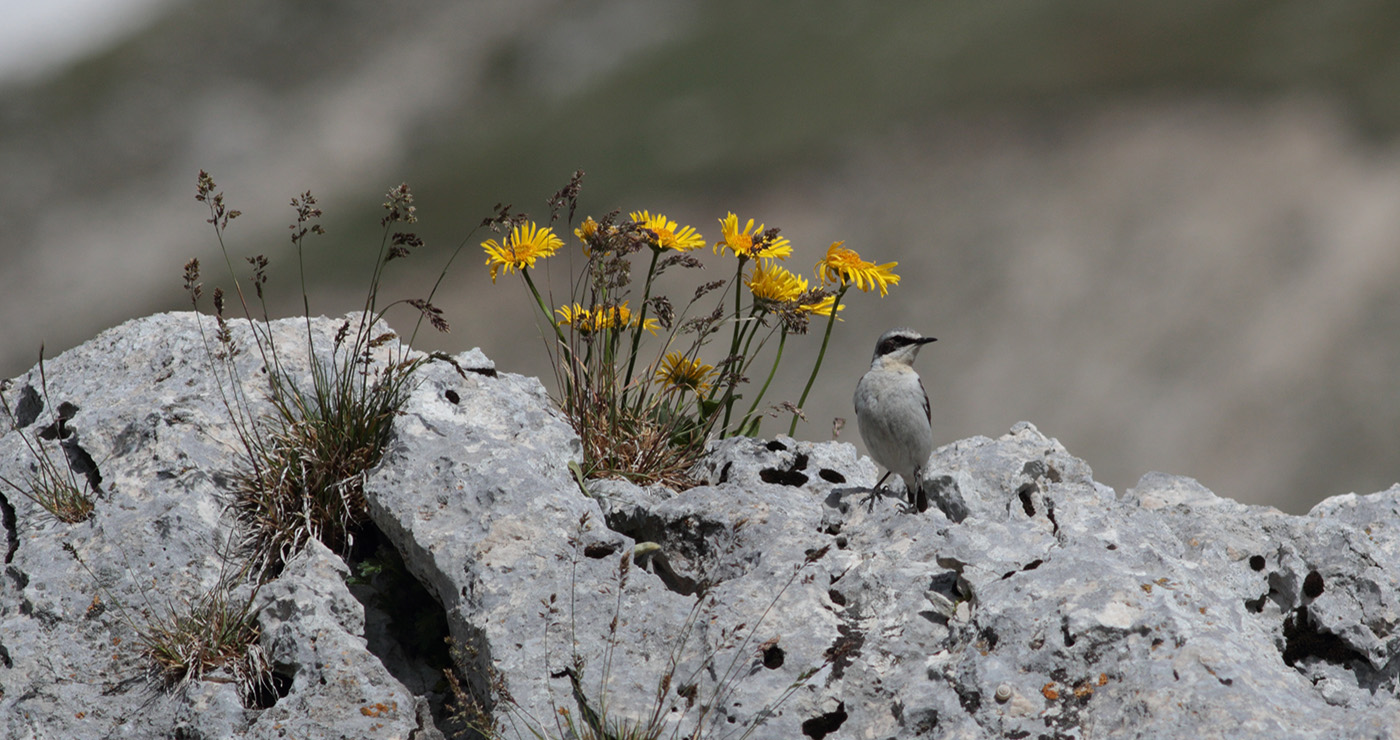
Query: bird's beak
x=926 y=340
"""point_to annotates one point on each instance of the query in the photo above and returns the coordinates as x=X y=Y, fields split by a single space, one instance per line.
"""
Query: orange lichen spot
x=1147 y=588
x=80 y=715
x=1084 y=690
x=1103 y=679
x=379 y=709
x=1049 y=691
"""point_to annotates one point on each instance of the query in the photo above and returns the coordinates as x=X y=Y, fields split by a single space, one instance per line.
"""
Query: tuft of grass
x=213 y=636
x=303 y=466
x=307 y=477
x=51 y=485
x=209 y=634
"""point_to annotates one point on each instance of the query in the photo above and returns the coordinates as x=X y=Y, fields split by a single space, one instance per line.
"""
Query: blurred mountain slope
x=1163 y=232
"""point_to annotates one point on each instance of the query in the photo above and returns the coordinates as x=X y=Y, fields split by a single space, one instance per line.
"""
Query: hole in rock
x=971 y=701
x=1256 y=562
x=844 y=648
x=1065 y=633
x=773 y=657
x=7 y=517
x=800 y=462
x=264 y=695
x=29 y=407
x=1027 y=503
x=1303 y=638
x=1256 y=605
x=831 y=476
x=776 y=446
x=80 y=462
x=452 y=397
x=836 y=597
x=405 y=625
x=1312 y=585
x=783 y=477
x=822 y=725
x=598 y=550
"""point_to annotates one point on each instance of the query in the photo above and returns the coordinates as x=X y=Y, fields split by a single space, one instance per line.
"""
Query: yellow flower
x=605 y=317
x=586 y=231
x=822 y=307
x=844 y=266
x=525 y=244
x=748 y=242
x=776 y=283
x=576 y=316
x=678 y=373
x=667 y=237
x=621 y=316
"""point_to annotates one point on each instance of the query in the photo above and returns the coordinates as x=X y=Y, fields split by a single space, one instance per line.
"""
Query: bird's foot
x=876 y=493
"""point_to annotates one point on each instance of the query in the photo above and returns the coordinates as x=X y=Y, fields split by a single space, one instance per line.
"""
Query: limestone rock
x=777 y=598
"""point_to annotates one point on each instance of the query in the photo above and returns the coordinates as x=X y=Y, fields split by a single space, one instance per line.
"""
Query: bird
x=893 y=413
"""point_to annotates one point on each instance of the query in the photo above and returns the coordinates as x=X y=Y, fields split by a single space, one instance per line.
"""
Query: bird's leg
x=875 y=492
x=918 y=498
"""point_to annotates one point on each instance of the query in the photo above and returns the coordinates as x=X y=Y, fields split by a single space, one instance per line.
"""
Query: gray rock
x=153 y=423
x=777 y=598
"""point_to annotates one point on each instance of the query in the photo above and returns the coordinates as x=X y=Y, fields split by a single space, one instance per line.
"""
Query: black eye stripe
x=893 y=343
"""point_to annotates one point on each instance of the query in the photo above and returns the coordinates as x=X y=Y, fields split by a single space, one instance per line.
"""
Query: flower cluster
x=676 y=399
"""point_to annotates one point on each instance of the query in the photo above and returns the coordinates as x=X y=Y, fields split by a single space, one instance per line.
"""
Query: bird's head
x=899 y=346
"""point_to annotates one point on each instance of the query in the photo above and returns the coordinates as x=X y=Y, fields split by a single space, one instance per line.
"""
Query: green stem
x=782 y=339
x=752 y=330
x=830 y=322
x=641 y=319
x=525 y=273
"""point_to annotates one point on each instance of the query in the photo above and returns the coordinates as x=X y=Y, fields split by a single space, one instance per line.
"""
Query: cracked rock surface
x=1030 y=601
x=141 y=406
x=779 y=596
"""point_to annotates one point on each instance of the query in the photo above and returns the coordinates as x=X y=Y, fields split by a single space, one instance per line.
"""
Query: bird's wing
x=927 y=413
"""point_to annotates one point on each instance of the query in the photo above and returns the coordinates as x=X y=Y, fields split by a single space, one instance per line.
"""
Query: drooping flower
x=749 y=243
x=586 y=231
x=526 y=243
x=821 y=307
x=668 y=234
x=789 y=292
x=603 y=317
x=678 y=373
x=775 y=283
x=845 y=267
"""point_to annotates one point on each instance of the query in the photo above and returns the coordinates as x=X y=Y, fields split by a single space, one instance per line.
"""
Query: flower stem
x=782 y=339
x=830 y=322
x=641 y=322
x=525 y=273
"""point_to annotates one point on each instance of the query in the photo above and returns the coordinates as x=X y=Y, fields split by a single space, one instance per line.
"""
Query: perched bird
x=892 y=410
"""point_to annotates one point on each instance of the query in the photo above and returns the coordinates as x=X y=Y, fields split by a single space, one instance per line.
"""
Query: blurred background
x=1166 y=233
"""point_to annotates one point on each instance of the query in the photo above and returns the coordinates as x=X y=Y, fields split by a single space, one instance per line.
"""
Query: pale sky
x=40 y=36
